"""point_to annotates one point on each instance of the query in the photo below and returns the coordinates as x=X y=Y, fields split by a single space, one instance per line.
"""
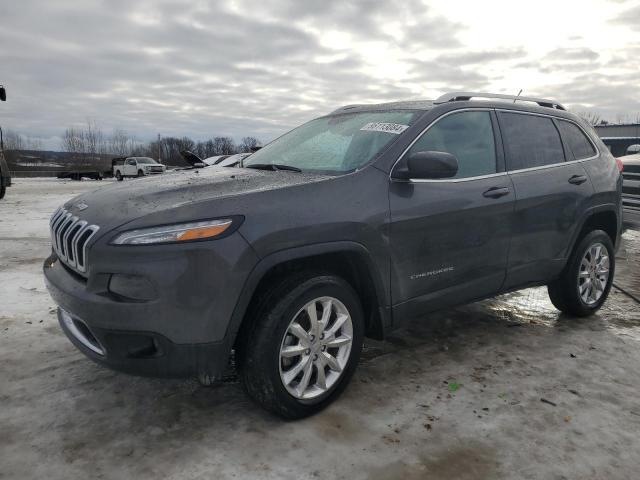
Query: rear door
x=449 y=238
x=552 y=189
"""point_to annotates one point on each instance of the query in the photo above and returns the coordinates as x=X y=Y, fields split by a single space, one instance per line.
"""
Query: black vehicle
x=5 y=175
x=345 y=227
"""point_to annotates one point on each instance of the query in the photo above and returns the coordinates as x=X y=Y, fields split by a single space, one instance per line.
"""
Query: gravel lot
x=505 y=388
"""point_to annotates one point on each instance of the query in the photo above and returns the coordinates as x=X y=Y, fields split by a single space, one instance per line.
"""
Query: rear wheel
x=119 y=176
x=304 y=345
x=586 y=281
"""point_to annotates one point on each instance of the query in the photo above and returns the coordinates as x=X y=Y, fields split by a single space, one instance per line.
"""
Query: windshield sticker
x=394 y=128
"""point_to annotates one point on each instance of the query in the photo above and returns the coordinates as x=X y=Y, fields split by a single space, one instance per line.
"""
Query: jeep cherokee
x=347 y=226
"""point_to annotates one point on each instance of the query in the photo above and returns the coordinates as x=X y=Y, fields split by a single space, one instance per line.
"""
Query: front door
x=130 y=167
x=449 y=239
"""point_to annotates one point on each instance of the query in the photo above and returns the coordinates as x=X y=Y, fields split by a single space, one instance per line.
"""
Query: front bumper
x=176 y=323
x=145 y=353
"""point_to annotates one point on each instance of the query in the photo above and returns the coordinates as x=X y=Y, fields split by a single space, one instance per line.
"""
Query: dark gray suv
x=345 y=227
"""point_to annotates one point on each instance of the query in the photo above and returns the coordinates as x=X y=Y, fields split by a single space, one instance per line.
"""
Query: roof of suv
x=536 y=104
x=406 y=105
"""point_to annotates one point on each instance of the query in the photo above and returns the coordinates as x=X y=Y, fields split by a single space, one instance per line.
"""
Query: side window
x=579 y=145
x=530 y=141
x=131 y=161
x=466 y=135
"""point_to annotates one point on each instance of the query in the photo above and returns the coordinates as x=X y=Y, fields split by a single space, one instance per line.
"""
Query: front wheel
x=140 y=173
x=118 y=176
x=585 y=283
x=304 y=345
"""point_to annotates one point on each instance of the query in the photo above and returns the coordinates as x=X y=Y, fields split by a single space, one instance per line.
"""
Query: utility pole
x=159 y=159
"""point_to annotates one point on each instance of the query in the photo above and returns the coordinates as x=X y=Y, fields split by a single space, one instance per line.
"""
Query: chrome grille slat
x=70 y=237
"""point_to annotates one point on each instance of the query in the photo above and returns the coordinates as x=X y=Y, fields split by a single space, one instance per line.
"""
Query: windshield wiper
x=273 y=166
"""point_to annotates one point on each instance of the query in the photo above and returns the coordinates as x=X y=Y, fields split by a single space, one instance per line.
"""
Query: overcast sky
x=261 y=67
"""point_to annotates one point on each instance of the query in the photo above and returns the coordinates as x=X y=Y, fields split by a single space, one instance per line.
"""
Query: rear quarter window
x=530 y=140
x=579 y=145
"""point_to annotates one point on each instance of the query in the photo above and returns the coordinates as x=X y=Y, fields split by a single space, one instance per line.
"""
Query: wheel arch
x=602 y=217
x=350 y=260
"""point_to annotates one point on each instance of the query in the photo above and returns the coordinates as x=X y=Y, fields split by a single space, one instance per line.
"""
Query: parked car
x=136 y=167
x=348 y=226
x=226 y=160
x=5 y=175
x=78 y=175
x=633 y=149
x=631 y=189
x=218 y=160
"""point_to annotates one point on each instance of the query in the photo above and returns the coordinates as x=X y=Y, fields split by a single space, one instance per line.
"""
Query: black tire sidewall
x=277 y=321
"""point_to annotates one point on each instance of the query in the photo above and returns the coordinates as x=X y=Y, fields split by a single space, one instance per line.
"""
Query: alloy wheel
x=594 y=273
x=315 y=349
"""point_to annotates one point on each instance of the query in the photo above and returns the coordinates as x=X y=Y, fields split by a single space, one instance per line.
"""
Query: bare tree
x=73 y=141
x=223 y=146
x=34 y=143
x=95 y=142
x=13 y=140
x=591 y=117
x=248 y=144
x=120 y=143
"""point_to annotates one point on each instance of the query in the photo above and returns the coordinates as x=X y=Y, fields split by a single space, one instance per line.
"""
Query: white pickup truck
x=136 y=167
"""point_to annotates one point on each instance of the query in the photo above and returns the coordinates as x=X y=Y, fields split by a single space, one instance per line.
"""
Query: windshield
x=335 y=144
x=146 y=160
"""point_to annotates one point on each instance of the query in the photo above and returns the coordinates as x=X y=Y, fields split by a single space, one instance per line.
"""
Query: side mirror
x=3 y=94
x=429 y=165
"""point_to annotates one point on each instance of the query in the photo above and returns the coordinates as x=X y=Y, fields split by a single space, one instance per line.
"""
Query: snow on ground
x=457 y=394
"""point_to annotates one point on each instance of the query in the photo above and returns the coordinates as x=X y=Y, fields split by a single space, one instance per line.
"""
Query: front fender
x=267 y=263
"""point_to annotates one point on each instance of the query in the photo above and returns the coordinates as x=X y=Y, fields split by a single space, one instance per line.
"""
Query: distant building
x=619 y=137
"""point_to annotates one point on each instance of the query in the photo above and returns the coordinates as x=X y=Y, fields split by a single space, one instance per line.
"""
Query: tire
x=140 y=173
x=263 y=370
x=3 y=190
x=568 y=292
x=118 y=176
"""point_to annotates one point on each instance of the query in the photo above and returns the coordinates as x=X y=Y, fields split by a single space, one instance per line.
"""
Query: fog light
x=134 y=287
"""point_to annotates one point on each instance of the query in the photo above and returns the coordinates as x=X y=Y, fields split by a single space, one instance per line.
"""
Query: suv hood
x=115 y=205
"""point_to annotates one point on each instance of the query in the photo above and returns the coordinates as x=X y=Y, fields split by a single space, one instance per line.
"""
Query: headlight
x=181 y=232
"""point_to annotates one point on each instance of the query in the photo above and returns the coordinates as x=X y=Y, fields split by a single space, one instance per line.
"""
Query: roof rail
x=460 y=96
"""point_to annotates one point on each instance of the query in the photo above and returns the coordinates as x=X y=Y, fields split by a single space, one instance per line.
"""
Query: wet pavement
x=505 y=388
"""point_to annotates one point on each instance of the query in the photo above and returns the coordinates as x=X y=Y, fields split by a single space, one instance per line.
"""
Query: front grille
x=631 y=169
x=70 y=237
x=631 y=187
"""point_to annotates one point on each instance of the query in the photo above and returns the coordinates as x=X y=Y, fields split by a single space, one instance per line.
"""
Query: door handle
x=496 y=192
x=578 y=179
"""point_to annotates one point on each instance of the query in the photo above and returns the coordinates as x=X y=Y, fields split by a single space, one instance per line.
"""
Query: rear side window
x=530 y=141
x=579 y=145
x=466 y=135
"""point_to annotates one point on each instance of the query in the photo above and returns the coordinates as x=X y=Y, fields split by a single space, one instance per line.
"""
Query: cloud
x=252 y=67
x=481 y=57
x=629 y=18
x=572 y=54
